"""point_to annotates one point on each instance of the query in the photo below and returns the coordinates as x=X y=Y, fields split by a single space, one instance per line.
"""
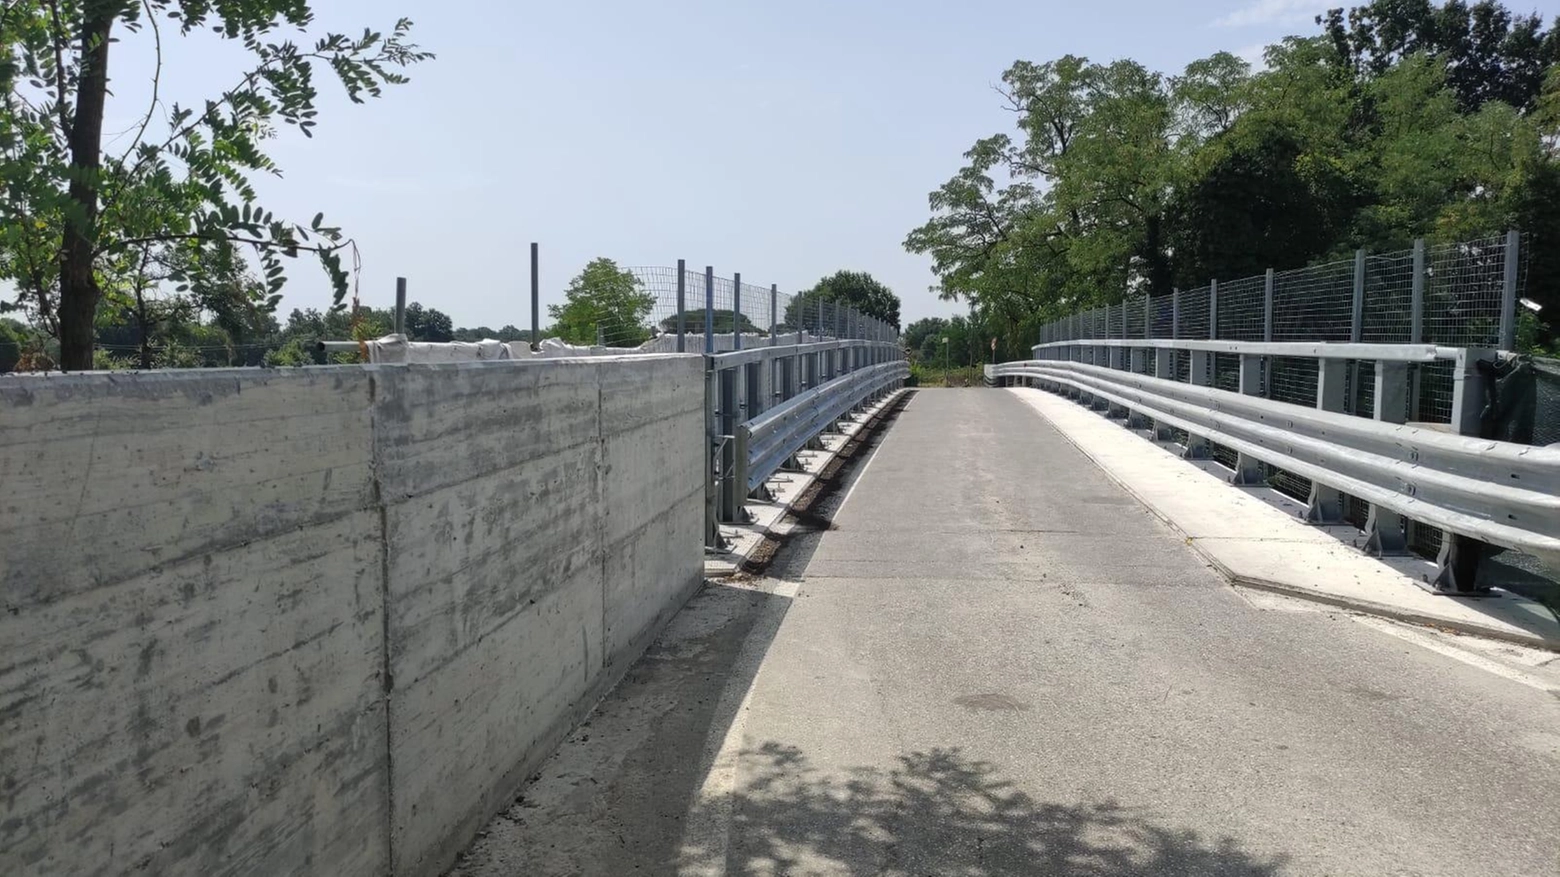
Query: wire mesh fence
x=1242 y=309
x=714 y=313
x=1463 y=293
x=1458 y=294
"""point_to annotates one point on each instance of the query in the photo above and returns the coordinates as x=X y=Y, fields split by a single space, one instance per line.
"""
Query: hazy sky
x=784 y=140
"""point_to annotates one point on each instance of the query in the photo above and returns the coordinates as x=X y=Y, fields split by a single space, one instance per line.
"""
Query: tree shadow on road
x=940 y=812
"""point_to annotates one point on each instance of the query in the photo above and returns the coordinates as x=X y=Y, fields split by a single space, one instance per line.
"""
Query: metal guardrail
x=1438 y=475
x=763 y=404
x=767 y=441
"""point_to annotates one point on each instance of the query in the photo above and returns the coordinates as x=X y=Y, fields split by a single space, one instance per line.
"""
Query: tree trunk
x=79 y=291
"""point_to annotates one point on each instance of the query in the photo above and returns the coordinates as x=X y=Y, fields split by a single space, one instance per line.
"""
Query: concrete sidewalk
x=1256 y=545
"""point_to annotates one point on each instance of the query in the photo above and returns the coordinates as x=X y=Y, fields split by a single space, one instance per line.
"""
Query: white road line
x=1433 y=643
x=706 y=840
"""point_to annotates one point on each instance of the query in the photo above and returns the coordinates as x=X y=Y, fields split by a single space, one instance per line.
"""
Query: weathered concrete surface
x=196 y=568
x=191 y=650
x=995 y=661
x=543 y=522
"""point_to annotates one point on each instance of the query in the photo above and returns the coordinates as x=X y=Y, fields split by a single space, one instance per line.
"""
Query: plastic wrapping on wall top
x=397 y=349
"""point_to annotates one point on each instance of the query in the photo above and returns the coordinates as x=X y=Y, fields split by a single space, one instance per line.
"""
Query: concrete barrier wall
x=321 y=621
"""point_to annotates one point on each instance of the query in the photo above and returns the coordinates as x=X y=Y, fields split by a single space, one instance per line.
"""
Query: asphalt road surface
x=995 y=661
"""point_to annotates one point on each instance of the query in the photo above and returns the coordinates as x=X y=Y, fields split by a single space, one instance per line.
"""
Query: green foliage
x=721 y=322
x=1401 y=119
x=290 y=354
x=90 y=218
x=14 y=338
x=1490 y=54
x=604 y=302
x=857 y=290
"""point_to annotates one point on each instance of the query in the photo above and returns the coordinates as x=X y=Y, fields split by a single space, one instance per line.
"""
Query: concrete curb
x=1549 y=641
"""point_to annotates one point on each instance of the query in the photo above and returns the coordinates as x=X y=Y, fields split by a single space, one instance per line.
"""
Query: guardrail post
x=1325 y=504
x=712 y=537
x=1164 y=369
x=1385 y=530
x=1138 y=363
x=1198 y=447
x=1249 y=470
x=1460 y=556
x=1508 y=292
x=731 y=493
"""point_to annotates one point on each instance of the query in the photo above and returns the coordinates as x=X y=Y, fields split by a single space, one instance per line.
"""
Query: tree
x=604 y=302
x=721 y=321
x=81 y=222
x=427 y=324
x=1488 y=53
x=916 y=333
x=859 y=291
x=1399 y=120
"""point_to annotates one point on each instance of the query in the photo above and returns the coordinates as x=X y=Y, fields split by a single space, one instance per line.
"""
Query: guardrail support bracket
x=1384 y=534
x=1324 y=505
x=1459 y=559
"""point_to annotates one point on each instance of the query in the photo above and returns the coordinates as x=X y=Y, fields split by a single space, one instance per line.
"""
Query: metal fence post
x=400 y=306
x=774 y=314
x=1175 y=314
x=1268 y=283
x=1213 y=310
x=1416 y=309
x=1357 y=313
x=709 y=309
x=536 y=299
x=1508 y=292
x=682 y=306
x=736 y=311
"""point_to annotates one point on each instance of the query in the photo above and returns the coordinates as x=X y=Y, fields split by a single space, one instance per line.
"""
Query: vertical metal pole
x=536 y=299
x=1213 y=310
x=400 y=306
x=709 y=309
x=1416 y=312
x=774 y=313
x=1325 y=504
x=1508 y=292
x=736 y=311
x=1268 y=284
x=1148 y=316
x=1175 y=314
x=682 y=306
x=1357 y=316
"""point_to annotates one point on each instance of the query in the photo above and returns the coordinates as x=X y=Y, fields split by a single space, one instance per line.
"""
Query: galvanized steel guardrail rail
x=1474 y=490
x=764 y=404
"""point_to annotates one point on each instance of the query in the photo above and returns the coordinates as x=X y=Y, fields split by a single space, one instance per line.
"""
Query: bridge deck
x=997 y=662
